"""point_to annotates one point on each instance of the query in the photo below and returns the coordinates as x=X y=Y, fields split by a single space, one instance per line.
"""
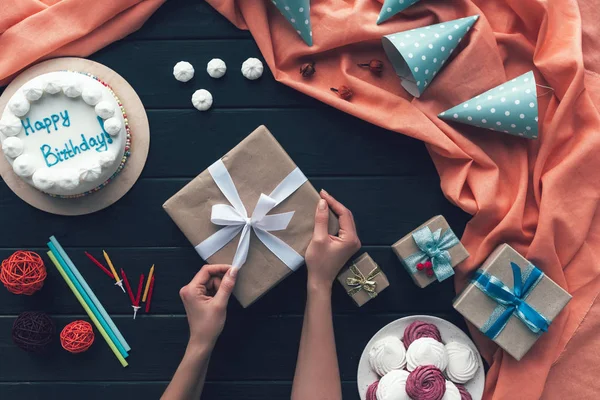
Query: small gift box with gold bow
x=511 y=301
x=363 y=280
x=430 y=252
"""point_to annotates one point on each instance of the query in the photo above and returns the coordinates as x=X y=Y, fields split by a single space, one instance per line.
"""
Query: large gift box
x=363 y=280
x=512 y=315
x=430 y=252
x=253 y=209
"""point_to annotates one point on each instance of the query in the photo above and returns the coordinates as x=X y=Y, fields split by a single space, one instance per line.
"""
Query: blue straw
x=71 y=267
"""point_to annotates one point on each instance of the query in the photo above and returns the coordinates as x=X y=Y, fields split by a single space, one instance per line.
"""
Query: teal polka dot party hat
x=419 y=54
x=511 y=107
x=297 y=12
x=393 y=7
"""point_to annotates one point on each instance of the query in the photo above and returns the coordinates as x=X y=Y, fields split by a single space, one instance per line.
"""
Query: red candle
x=139 y=292
x=149 y=298
x=99 y=264
x=127 y=286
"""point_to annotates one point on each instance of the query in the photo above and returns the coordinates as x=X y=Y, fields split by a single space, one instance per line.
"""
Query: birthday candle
x=127 y=286
x=139 y=292
x=149 y=300
x=110 y=264
x=102 y=267
x=150 y=276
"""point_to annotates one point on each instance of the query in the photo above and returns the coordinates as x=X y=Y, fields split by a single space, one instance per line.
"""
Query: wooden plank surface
x=388 y=180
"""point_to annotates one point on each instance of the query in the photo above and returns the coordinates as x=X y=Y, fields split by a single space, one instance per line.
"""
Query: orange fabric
x=539 y=196
x=68 y=28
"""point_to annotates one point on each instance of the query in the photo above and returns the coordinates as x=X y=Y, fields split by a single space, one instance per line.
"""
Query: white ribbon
x=235 y=219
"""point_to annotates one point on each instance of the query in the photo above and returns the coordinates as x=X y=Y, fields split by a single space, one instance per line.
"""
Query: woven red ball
x=23 y=272
x=77 y=337
x=33 y=331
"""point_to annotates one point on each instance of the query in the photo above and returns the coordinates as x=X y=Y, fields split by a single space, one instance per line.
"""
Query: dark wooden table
x=385 y=178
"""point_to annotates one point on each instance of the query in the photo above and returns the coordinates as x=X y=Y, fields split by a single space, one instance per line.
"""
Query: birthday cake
x=65 y=133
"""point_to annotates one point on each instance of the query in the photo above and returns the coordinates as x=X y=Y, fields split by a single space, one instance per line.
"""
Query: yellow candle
x=148 y=284
x=112 y=268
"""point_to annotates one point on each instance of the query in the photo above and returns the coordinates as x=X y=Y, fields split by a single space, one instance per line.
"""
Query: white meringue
x=104 y=109
x=463 y=363
x=52 y=85
x=43 y=179
x=393 y=386
x=452 y=392
x=72 y=88
x=252 y=68
x=183 y=71
x=19 y=105
x=216 y=68
x=90 y=172
x=387 y=354
x=24 y=165
x=33 y=90
x=10 y=125
x=68 y=179
x=13 y=147
x=112 y=126
x=426 y=351
x=106 y=159
x=202 y=99
x=91 y=94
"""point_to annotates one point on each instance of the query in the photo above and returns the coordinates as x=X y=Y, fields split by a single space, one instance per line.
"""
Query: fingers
x=345 y=216
x=208 y=271
x=226 y=287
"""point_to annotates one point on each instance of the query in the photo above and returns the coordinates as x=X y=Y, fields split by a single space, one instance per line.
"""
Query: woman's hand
x=327 y=254
x=205 y=299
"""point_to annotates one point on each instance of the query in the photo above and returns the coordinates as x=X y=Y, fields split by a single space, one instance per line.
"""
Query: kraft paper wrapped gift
x=439 y=249
x=363 y=280
x=539 y=301
x=253 y=175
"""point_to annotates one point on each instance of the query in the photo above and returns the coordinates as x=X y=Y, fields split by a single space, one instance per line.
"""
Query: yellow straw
x=87 y=309
x=112 y=268
x=148 y=284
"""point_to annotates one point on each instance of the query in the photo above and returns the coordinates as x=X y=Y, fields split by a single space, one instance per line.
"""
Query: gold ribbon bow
x=359 y=282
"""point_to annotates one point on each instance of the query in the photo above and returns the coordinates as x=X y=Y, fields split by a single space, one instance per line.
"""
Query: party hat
x=393 y=7
x=297 y=12
x=511 y=108
x=419 y=54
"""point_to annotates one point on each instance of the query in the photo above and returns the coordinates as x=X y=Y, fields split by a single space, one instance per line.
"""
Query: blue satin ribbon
x=433 y=247
x=511 y=302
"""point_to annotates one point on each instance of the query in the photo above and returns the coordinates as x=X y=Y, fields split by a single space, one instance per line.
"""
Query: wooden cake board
x=140 y=142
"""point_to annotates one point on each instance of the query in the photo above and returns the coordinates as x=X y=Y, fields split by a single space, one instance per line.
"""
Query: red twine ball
x=77 y=337
x=33 y=331
x=23 y=272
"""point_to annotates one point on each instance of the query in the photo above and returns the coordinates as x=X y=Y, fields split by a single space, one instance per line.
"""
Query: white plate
x=449 y=332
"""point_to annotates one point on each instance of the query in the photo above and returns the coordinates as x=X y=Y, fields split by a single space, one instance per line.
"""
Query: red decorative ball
x=23 y=272
x=77 y=337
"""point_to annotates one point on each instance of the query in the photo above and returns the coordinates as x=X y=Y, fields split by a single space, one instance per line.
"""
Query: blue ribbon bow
x=511 y=302
x=433 y=246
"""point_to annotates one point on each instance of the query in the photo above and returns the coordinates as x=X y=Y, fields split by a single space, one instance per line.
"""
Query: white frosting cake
x=65 y=133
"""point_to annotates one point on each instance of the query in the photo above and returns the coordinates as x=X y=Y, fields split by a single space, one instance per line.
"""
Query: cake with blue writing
x=65 y=133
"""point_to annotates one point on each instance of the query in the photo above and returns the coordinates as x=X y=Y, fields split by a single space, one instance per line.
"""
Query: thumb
x=227 y=285
x=321 y=221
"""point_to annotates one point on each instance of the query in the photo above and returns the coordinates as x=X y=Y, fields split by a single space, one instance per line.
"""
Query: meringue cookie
x=112 y=126
x=90 y=172
x=387 y=354
x=464 y=393
x=43 y=179
x=462 y=362
x=91 y=94
x=452 y=392
x=419 y=329
x=393 y=386
x=426 y=351
x=24 y=166
x=183 y=71
x=216 y=68
x=372 y=391
x=13 y=147
x=202 y=99
x=106 y=159
x=252 y=68
x=10 y=125
x=72 y=88
x=19 y=105
x=33 y=90
x=104 y=109
x=68 y=179
x=52 y=85
x=426 y=382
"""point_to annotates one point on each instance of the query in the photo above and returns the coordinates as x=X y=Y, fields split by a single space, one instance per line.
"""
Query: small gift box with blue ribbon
x=430 y=252
x=511 y=301
x=363 y=280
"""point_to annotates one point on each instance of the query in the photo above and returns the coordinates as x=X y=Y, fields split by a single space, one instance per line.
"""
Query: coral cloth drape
x=540 y=196
x=34 y=30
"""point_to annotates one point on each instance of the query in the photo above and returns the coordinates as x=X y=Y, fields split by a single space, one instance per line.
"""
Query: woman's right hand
x=327 y=254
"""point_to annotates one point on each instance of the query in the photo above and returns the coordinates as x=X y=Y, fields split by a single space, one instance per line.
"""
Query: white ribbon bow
x=235 y=218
